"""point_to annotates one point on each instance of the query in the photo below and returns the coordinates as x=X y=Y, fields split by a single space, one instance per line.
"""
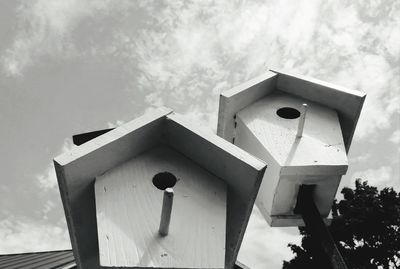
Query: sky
x=72 y=66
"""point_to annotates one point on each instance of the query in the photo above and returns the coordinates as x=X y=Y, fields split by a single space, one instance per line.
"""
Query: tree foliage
x=365 y=227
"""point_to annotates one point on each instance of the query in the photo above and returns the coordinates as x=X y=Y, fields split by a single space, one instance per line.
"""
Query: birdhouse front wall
x=322 y=141
x=317 y=158
x=79 y=169
x=128 y=207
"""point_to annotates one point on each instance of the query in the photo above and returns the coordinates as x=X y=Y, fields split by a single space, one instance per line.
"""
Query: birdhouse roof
x=346 y=102
x=77 y=169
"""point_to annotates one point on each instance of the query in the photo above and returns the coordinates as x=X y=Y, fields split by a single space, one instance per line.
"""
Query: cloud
x=264 y=246
x=380 y=177
x=193 y=47
x=115 y=124
x=45 y=28
x=395 y=138
x=48 y=180
x=184 y=53
x=182 y=50
x=26 y=235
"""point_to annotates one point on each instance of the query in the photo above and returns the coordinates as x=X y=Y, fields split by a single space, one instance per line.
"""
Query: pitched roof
x=59 y=259
x=62 y=259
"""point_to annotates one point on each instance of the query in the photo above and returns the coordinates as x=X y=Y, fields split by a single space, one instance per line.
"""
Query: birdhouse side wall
x=76 y=171
x=239 y=97
x=241 y=171
x=245 y=139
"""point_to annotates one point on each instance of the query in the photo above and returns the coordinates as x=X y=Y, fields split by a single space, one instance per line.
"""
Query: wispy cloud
x=264 y=246
x=395 y=137
x=48 y=180
x=380 y=177
x=185 y=49
x=27 y=235
x=182 y=54
x=46 y=28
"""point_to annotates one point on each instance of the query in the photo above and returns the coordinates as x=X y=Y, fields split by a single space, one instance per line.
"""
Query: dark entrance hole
x=288 y=113
x=164 y=180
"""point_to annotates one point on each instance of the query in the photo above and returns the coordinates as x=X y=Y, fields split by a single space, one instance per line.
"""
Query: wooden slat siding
x=242 y=172
x=128 y=214
x=348 y=103
x=237 y=98
x=78 y=193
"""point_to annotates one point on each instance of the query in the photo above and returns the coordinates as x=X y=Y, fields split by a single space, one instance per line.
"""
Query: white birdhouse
x=302 y=128
x=157 y=193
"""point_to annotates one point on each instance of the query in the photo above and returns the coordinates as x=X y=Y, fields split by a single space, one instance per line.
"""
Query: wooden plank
x=77 y=169
x=128 y=214
x=234 y=100
x=325 y=251
x=346 y=102
x=241 y=171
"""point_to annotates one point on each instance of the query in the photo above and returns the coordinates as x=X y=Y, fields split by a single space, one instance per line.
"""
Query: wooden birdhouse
x=157 y=192
x=302 y=128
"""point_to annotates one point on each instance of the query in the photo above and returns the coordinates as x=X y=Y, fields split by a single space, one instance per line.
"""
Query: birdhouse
x=302 y=128
x=157 y=192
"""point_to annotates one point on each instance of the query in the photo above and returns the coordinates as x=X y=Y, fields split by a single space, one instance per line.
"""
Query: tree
x=365 y=227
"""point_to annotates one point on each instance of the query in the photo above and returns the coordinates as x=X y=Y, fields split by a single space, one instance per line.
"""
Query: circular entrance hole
x=288 y=113
x=164 y=180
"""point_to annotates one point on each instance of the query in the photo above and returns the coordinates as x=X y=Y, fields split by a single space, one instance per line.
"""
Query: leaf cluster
x=365 y=227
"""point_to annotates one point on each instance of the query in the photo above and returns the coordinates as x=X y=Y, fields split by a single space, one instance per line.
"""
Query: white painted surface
x=277 y=196
x=318 y=157
x=77 y=169
x=348 y=103
x=128 y=214
x=235 y=99
x=321 y=144
x=241 y=171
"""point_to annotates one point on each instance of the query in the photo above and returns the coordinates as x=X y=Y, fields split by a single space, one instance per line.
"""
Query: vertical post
x=302 y=119
x=166 y=211
x=326 y=253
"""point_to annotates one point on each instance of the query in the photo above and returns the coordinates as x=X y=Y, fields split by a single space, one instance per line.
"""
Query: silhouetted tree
x=365 y=227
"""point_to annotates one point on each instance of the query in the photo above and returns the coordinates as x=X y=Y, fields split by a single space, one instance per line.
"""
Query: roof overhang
x=76 y=171
x=348 y=103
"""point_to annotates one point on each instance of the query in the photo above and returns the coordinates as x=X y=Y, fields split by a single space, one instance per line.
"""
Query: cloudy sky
x=70 y=66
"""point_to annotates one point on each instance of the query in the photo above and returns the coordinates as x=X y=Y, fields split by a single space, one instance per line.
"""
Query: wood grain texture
x=128 y=214
x=77 y=169
x=241 y=171
x=234 y=100
x=348 y=103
